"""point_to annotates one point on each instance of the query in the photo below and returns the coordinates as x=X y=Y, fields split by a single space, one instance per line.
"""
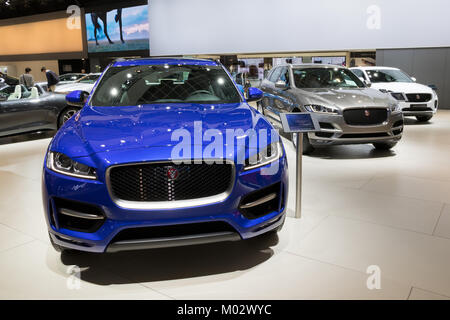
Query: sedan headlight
x=395 y=107
x=268 y=155
x=61 y=163
x=321 y=109
x=398 y=96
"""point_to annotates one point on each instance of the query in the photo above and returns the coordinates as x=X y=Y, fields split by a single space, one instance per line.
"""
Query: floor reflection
x=27 y=137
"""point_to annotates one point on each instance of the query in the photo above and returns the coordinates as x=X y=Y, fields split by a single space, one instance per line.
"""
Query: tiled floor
x=361 y=208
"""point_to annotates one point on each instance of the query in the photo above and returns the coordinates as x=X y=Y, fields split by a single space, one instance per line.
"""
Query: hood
x=75 y=86
x=345 y=98
x=103 y=129
x=403 y=87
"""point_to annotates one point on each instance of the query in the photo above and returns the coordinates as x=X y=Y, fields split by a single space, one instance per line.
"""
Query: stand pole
x=298 y=192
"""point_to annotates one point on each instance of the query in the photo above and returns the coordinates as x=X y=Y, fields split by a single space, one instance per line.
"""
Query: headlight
x=398 y=96
x=395 y=107
x=61 y=163
x=319 y=108
x=268 y=155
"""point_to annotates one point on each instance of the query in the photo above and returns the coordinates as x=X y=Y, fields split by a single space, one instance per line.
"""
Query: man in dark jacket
x=52 y=79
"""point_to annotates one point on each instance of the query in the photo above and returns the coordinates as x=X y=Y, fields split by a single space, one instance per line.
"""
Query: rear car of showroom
x=416 y=100
x=109 y=182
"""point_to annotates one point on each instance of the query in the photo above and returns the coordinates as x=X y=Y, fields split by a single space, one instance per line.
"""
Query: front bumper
x=419 y=108
x=335 y=131
x=117 y=219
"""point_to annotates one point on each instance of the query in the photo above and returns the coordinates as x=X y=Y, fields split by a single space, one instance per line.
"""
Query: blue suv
x=165 y=152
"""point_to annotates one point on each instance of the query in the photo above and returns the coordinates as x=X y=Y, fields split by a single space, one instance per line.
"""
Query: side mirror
x=433 y=86
x=77 y=98
x=280 y=84
x=413 y=79
x=254 y=94
x=367 y=83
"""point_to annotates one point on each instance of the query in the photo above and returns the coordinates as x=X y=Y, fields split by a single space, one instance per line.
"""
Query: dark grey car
x=347 y=110
x=25 y=110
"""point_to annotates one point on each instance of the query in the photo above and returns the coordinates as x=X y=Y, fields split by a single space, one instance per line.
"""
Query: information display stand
x=299 y=123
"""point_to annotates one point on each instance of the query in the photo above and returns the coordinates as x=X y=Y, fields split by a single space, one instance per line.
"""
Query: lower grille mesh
x=169 y=182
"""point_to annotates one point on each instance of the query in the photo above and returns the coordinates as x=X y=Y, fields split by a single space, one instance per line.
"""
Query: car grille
x=151 y=182
x=365 y=117
x=417 y=108
x=418 y=97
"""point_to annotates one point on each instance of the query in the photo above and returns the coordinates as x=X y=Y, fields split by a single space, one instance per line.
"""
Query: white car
x=415 y=99
x=85 y=84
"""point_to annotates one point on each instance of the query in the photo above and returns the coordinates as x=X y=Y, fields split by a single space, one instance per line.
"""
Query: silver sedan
x=347 y=110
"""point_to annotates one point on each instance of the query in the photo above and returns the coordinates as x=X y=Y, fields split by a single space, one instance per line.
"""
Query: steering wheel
x=199 y=92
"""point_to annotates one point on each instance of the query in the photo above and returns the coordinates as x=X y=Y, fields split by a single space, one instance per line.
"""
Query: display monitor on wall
x=121 y=29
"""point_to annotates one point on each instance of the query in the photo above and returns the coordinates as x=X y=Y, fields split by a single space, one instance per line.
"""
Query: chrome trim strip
x=259 y=201
x=165 y=205
x=76 y=214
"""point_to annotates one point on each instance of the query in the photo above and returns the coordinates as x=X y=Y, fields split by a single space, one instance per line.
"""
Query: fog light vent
x=261 y=202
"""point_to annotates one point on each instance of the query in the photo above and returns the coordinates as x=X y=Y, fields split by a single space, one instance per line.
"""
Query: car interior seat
x=17 y=94
x=34 y=93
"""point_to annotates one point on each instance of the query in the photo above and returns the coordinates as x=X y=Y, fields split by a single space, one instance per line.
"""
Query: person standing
x=52 y=79
x=27 y=78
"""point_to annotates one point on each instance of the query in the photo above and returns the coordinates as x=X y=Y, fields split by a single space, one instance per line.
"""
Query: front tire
x=384 y=145
x=66 y=114
x=424 y=118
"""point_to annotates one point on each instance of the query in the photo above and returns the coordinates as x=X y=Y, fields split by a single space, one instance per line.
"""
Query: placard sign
x=299 y=122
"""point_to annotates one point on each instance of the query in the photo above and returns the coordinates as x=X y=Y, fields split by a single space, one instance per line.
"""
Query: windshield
x=388 y=75
x=326 y=78
x=127 y=86
x=89 y=79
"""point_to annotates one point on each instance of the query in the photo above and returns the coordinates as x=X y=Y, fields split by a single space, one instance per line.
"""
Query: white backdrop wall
x=255 y=26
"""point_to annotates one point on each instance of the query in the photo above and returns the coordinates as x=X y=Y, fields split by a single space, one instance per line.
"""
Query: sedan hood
x=75 y=86
x=403 y=87
x=346 y=98
x=104 y=129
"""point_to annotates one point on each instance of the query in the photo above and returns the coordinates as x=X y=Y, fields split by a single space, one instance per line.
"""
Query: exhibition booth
x=224 y=150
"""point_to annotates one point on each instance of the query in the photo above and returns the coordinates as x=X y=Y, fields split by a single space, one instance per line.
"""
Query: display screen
x=121 y=29
x=298 y=122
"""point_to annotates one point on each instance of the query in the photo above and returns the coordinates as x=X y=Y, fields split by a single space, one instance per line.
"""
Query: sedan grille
x=365 y=117
x=418 y=97
x=169 y=182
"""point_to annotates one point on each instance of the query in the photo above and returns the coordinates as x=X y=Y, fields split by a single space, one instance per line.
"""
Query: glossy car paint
x=76 y=85
x=102 y=137
x=28 y=115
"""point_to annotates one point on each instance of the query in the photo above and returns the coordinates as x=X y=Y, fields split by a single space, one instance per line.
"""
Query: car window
x=388 y=75
x=359 y=73
x=284 y=76
x=89 y=79
x=148 y=84
x=326 y=78
x=275 y=74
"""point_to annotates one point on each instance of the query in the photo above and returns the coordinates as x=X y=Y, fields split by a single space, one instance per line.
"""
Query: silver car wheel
x=68 y=114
